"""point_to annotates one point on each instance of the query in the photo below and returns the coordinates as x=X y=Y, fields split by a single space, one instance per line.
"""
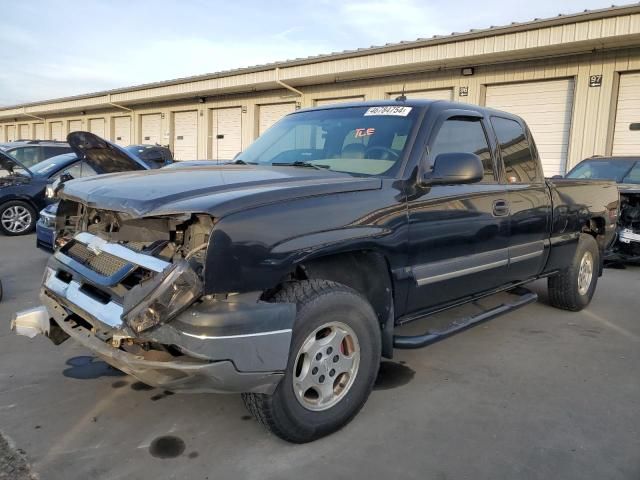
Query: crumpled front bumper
x=239 y=344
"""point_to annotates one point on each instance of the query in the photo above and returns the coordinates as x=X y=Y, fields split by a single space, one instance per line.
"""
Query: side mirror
x=455 y=168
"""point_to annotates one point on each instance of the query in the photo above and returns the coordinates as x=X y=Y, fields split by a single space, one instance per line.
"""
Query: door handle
x=500 y=208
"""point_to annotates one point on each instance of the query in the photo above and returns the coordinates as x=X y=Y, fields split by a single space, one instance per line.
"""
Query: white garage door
x=151 y=128
x=96 y=126
x=25 y=132
x=270 y=114
x=331 y=101
x=226 y=133
x=11 y=133
x=56 y=131
x=626 y=136
x=185 y=135
x=122 y=131
x=75 y=125
x=439 y=94
x=546 y=107
x=39 y=131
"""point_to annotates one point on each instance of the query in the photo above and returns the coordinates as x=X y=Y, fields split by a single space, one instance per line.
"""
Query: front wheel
x=573 y=288
x=333 y=363
x=17 y=218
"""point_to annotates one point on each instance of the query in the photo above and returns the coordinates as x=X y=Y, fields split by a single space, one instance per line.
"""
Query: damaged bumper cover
x=228 y=346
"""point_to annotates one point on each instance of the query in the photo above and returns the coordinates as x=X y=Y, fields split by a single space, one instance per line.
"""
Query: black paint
x=85 y=368
x=162 y=395
x=119 y=384
x=392 y=375
x=139 y=386
x=245 y=417
x=167 y=447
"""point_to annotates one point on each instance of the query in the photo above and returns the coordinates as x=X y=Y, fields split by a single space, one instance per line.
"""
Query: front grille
x=104 y=263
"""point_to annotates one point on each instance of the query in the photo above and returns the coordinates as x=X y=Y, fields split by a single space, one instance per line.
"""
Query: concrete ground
x=536 y=394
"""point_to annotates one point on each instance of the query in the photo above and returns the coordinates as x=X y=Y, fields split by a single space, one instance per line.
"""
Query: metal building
x=574 y=78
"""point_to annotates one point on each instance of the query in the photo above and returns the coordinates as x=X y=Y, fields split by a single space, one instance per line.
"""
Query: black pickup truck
x=283 y=275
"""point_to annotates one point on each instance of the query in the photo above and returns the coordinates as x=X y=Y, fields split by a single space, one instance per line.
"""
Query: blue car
x=94 y=156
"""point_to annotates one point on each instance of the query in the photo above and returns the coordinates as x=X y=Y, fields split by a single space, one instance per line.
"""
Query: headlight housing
x=178 y=289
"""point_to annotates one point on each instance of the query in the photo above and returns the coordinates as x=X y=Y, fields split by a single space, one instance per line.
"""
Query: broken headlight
x=177 y=289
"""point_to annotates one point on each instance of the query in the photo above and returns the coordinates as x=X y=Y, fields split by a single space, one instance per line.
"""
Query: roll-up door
x=39 y=131
x=151 y=128
x=122 y=131
x=226 y=133
x=96 y=126
x=11 y=133
x=330 y=101
x=437 y=94
x=546 y=106
x=56 y=131
x=24 y=132
x=75 y=125
x=270 y=114
x=626 y=136
x=185 y=135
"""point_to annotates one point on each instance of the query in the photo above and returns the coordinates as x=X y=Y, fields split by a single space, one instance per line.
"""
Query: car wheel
x=17 y=218
x=573 y=287
x=333 y=362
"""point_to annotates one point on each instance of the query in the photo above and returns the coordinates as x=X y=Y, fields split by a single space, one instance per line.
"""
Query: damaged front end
x=131 y=290
x=627 y=248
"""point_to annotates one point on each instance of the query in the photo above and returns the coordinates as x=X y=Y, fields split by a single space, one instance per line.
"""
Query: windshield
x=53 y=164
x=606 y=169
x=355 y=140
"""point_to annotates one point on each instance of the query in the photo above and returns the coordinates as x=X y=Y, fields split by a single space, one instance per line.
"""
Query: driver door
x=458 y=234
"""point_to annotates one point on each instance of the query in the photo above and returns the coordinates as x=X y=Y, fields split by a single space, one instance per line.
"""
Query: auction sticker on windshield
x=388 y=110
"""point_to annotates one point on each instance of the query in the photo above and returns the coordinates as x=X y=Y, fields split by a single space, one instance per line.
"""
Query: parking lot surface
x=539 y=393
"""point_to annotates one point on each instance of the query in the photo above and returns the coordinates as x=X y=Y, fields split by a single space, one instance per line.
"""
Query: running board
x=525 y=297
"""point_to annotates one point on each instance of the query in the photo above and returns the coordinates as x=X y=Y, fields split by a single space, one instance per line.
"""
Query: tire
x=566 y=289
x=291 y=412
x=17 y=218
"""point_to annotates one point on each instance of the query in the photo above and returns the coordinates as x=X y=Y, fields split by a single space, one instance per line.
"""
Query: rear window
x=519 y=164
x=355 y=140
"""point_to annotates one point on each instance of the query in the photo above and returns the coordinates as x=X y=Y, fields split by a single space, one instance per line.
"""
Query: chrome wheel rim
x=16 y=219
x=585 y=273
x=326 y=366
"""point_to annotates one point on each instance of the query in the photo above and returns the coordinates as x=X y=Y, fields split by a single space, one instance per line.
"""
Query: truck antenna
x=402 y=97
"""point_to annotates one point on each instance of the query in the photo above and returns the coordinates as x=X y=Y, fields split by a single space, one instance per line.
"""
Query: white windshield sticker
x=388 y=110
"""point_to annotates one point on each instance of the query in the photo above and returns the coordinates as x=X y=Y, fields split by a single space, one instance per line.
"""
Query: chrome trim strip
x=526 y=256
x=97 y=245
x=109 y=313
x=447 y=269
x=245 y=335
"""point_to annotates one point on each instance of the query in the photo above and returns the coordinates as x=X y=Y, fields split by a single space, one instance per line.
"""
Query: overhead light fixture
x=202 y=99
x=467 y=71
x=83 y=112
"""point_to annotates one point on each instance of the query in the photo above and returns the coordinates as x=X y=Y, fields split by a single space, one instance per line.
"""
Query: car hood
x=102 y=155
x=629 y=188
x=217 y=191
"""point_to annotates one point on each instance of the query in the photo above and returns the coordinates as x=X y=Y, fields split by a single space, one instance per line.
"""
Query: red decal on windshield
x=364 y=132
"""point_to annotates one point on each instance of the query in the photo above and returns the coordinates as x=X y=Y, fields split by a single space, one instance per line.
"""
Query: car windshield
x=354 y=140
x=53 y=164
x=605 y=169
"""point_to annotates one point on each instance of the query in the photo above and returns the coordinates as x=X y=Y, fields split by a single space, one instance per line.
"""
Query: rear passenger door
x=458 y=234
x=527 y=196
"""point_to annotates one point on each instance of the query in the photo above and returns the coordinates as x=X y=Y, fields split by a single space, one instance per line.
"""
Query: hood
x=102 y=155
x=218 y=190
x=10 y=170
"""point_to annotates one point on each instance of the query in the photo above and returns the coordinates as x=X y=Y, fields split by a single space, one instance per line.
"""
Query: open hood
x=10 y=165
x=103 y=156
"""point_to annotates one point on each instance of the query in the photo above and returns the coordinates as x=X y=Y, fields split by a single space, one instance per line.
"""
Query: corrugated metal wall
x=592 y=120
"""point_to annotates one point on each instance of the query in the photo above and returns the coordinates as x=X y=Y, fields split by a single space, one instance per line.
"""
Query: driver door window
x=465 y=136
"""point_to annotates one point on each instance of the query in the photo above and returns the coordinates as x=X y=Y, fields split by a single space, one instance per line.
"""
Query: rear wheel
x=17 y=218
x=573 y=288
x=333 y=363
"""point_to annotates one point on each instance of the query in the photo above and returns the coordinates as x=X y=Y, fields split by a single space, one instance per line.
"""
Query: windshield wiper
x=239 y=161
x=299 y=163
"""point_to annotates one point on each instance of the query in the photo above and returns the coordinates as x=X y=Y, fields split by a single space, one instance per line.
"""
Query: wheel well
x=367 y=272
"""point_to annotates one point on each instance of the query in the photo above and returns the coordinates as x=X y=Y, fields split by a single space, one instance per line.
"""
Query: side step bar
x=418 y=341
